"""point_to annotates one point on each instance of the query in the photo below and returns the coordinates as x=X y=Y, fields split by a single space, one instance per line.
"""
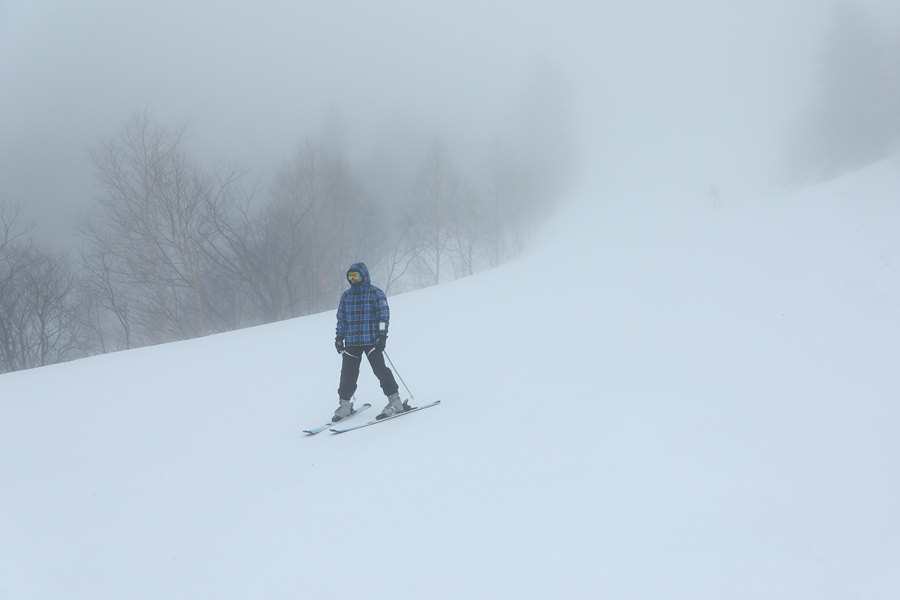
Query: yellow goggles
x=354 y=276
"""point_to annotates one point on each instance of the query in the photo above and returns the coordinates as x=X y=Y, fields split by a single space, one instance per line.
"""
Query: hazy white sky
x=699 y=88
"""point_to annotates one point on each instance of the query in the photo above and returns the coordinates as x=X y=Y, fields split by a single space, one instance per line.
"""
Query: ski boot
x=343 y=411
x=395 y=406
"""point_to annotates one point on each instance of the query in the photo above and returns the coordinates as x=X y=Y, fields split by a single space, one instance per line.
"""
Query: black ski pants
x=350 y=371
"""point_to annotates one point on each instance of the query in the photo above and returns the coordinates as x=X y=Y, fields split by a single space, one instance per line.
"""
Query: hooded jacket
x=363 y=312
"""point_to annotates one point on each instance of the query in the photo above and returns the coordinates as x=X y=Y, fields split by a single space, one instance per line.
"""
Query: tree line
x=173 y=250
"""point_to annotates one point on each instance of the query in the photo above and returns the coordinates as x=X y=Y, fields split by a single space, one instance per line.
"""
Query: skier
x=362 y=327
x=716 y=195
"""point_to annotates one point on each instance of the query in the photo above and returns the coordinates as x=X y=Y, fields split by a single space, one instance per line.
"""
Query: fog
x=681 y=93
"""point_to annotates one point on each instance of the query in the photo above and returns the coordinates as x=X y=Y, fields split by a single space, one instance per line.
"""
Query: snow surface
x=659 y=400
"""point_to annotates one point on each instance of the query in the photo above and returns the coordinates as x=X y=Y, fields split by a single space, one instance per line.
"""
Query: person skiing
x=363 y=317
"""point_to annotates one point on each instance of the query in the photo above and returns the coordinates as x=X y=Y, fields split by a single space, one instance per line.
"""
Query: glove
x=339 y=343
x=380 y=342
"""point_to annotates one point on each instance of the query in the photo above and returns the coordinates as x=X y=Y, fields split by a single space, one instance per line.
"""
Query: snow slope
x=659 y=400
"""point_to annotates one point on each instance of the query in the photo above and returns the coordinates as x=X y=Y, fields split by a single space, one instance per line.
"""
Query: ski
x=376 y=421
x=322 y=428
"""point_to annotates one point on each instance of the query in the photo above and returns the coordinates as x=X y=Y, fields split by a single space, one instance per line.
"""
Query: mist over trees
x=40 y=317
x=853 y=119
x=174 y=249
x=150 y=244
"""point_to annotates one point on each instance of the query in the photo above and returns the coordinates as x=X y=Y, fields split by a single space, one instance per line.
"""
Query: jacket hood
x=363 y=269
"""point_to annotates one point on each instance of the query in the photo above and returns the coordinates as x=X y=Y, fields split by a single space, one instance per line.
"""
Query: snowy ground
x=659 y=400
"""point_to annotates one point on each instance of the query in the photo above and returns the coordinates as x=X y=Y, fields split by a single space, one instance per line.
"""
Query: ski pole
x=411 y=397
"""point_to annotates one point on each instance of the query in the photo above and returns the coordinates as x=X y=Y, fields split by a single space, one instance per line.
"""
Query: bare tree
x=39 y=315
x=503 y=217
x=466 y=231
x=148 y=241
x=108 y=299
x=54 y=329
x=319 y=221
x=13 y=261
x=430 y=210
x=397 y=261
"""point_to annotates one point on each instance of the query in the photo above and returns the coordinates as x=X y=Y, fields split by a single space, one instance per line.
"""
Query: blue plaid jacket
x=363 y=312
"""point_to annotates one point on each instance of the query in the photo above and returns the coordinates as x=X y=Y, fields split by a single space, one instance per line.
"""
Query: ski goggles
x=354 y=277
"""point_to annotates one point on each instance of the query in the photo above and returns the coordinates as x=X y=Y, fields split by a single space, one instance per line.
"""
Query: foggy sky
x=687 y=90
